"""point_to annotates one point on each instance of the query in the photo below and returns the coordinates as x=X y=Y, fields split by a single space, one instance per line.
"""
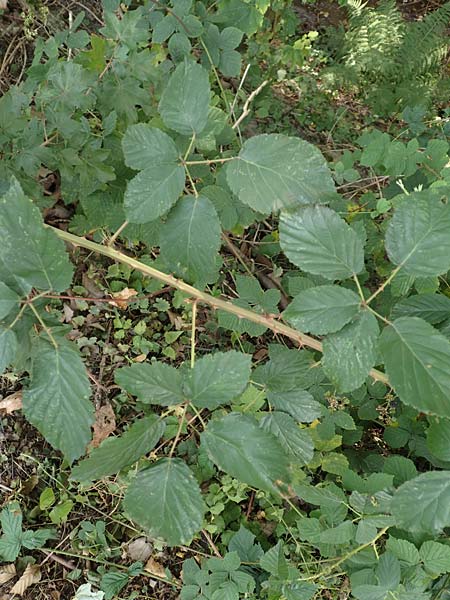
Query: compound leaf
x=115 y=453
x=323 y=309
x=417 y=236
x=166 y=501
x=423 y=503
x=185 y=101
x=218 y=378
x=190 y=240
x=318 y=241
x=416 y=358
x=154 y=383
x=57 y=399
x=238 y=446
x=275 y=171
x=349 y=354
x=153 y=191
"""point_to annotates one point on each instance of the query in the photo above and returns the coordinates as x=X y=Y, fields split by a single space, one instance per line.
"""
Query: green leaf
x=57 y=399
x=423 y=503
x=349 y=354
x=238 y=446
x=417 y=236
x=188 y=246
x=274 y=562
x=299 y=590
x=8 y=300
x=185 y=101
x=116 y=453
x=60 y=512
x=318 y=241
x=416 y=357
x=217 y=379
x=275 y=171
x=300 y=404
x=438 y=438
x=433 y=308
x=287 y=369
x=8 y=347
x=243 y=542
x=112 y=583
x=42 y=261
x=388 y=571
x=11 y=540
x=403 y=550
x=341 y=534
x=294 y=440
x=166 y=501
x=322 y=309
x=365 y=532
x=46 y=499
x=435 y=557
x=36 y=539
x=155 y=190
x=400 y=467
x=154 y=383
x=239 y=14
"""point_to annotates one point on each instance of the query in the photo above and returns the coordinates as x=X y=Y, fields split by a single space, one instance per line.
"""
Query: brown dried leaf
x=3 y=4
x=121 y=298
x=7 y=572
x=91 y=286
x=31 y=575
x=139 y=549
x=12 y=402
x=140 y=358
x=104 y=425
x=155 y=568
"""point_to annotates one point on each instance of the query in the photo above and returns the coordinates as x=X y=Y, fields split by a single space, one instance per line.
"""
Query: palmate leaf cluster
x=394 y=61
x=270 y=426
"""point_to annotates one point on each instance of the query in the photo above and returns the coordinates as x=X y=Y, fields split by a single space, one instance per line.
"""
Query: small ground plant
x=337 y=436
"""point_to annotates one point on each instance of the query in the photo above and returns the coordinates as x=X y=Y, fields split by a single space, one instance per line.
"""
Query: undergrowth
x=233 y=343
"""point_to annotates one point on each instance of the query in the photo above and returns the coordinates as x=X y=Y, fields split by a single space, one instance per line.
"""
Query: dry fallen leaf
x=31 y=575
x=104 y=425
x=121 y=298
x=140 y=358
x=12 y=402
x=3 y=4
x=7 y=572
x=155 y=568
x=139 y=549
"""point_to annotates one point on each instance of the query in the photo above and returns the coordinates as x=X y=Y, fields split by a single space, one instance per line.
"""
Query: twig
x=211 y=543
x=91 y=12
x=65 y=563
x=116 y=234
x=246 y=107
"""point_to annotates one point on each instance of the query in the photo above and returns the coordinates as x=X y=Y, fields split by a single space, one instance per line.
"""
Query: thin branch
x=246 y=107
x=268 y=321
x=385 y=284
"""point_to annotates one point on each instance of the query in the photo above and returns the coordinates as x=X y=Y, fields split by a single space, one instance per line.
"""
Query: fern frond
x=424 y=46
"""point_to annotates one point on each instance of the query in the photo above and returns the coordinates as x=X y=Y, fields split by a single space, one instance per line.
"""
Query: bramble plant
x=149 y=150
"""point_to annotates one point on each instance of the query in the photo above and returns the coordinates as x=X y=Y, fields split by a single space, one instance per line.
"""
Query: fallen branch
x=268 y=321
